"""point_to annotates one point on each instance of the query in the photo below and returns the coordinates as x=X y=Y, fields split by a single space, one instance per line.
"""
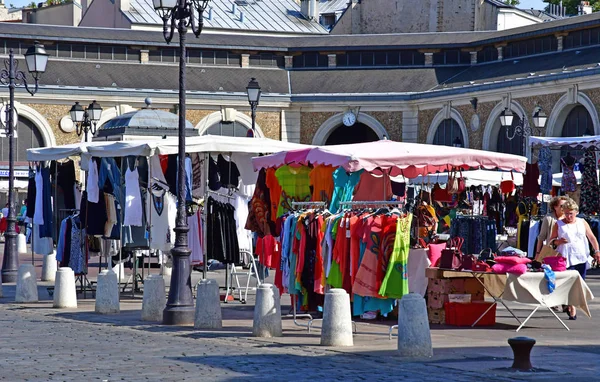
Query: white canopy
x=19 y=185
x=205 y=143
x=472 y=178
x=586 y=141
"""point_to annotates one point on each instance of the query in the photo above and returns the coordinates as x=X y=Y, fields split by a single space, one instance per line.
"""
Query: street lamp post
x=254 y=92
x=36 y=59
x=523 y=129
x=86 y=120
x=178 y=14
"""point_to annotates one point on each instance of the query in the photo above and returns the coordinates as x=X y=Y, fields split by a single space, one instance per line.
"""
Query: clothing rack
x=308 y=204
x=369 y=202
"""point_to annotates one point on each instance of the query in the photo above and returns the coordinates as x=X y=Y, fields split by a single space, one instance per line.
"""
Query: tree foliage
x=514 y=3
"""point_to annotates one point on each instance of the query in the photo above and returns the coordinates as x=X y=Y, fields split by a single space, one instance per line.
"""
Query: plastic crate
x=465 y=314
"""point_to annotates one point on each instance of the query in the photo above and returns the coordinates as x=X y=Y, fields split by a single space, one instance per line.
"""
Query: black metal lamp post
x=253 y=90
x=36 y=59
x=179 y=14
x=523 y=129
x=86 y=120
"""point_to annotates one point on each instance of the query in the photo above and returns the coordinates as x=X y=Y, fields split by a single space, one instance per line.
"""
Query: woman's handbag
x=508 y=186
x=547 y=251
x=440 y=194
x=456 y=184
x=452 y=256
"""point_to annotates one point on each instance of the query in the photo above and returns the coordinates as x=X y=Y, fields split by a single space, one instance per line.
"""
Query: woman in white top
x=572 y=236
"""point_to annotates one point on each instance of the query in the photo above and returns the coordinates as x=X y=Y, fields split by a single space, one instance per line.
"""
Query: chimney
x=586 y=7
x=309 y=9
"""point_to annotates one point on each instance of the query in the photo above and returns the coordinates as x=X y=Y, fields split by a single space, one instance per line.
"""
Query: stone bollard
x=65 y=294
x=107 y=293
x=267 y=312
x=414 y=336
x=521 y=347
x=337 y=319
x=21 y=243
x=49 y=267
x=26 y=284
x=208 y=305
x=154 y=301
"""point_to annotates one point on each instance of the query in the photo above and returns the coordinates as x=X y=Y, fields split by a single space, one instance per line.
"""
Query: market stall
x=364 y=219
x=130 y=185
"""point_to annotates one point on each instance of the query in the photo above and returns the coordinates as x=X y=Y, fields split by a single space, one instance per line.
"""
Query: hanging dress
x=93 y=190
x=395 y=283
x=133 y=199
x=38 y=217
x=569 y=182
x=590 y=191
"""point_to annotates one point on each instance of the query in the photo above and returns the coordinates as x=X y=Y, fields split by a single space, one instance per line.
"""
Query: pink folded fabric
x=435 y=252
x=512 y=260
x=517 y=269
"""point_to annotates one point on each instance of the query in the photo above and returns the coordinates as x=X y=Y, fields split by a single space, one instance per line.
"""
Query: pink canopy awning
x=399 y=158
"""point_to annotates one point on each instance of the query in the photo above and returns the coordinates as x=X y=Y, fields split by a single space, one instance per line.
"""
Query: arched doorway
x=448 y=133
x=28 y=136
x=578 y=123
x=229 y=129
x=357 y=133
x=510 y=146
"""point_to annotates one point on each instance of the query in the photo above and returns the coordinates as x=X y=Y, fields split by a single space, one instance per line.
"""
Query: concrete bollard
x=65 y=294
x=414 y=336
x=521 y=347
x=107 y=293
x=267 y=312
x=154 y=301
x=1 y=295
x=26 y=284
x=21 y=243
x=49 y=267
x=208 y=305
x=337 y=319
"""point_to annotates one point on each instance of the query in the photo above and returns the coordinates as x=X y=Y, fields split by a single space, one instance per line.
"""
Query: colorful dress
x=295 y=187
x=395 y=283
x=569 y=182
x=590 y=191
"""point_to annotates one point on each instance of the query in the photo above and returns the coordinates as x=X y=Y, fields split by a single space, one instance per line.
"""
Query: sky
x=536 y=4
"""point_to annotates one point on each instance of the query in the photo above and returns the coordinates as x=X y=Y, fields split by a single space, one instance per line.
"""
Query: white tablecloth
x=418 y=262
x=532 y=288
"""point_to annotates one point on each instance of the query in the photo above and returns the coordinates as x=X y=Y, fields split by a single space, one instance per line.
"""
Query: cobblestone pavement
x=36 y=344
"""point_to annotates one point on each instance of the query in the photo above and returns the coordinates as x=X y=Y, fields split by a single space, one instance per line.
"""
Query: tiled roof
x=276 y=16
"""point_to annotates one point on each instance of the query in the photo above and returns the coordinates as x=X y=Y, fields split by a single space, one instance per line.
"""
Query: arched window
x=510 y=146
x=357 y=133
x=578 y=123
x=28 y=136
x=447 y=132
x=229 y=129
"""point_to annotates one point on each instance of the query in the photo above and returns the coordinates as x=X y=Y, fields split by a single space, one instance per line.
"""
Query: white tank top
x=577 y=250
x=133 y=199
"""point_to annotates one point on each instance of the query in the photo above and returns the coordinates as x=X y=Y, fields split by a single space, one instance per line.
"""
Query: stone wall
x=53 y=114
x=392 y=121
x=425 y=119
x=310 y=123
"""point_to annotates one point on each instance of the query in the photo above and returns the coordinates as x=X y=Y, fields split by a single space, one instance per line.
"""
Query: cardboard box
x=436 y=316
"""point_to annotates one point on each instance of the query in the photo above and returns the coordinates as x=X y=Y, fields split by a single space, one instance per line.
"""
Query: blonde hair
x=570 y=205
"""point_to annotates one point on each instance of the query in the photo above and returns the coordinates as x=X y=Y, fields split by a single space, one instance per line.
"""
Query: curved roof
x=146 y=119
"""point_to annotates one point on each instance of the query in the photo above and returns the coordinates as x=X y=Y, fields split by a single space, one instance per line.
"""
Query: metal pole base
x=10 y=263
x=179 y=315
